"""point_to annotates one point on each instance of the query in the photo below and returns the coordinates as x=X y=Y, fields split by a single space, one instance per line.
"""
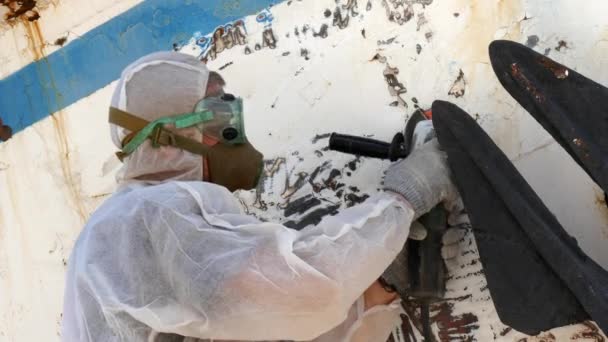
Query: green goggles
x=227 y=124
x=220 y=118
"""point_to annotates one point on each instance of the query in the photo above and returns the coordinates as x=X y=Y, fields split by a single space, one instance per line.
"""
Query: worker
x=171 y=256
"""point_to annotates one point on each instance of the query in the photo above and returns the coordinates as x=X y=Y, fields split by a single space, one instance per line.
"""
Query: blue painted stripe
x=97 y=58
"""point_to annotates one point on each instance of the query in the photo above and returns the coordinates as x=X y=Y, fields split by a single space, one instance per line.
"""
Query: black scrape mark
x=305 y=29
x=394 y=104
x=352 y=199
x=456 y=15
x=286 y=53
x=327 y=13
x=505 y=331
x=415 y=100
x=301 y=205
x=352 y=165
x=363 y=33
x=386 y=42
x=561 y=45
x=322 y=32
x=421 y=21
x=247 y=50
x=418 y=48
x=274 y=103
x=226 y=65
x=547 y=51
x=368 y=7
x=331 y=181
x=269 y=38
x=311 y=180
x=339 y=20
x=304 y=53
x=313 y=218
x=353 y=188
x=428 y=36
x=319 y=137
x=296 y=31
x=532 y=41
x=257 y=47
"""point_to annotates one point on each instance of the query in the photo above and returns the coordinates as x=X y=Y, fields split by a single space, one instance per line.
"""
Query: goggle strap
x=142 y=130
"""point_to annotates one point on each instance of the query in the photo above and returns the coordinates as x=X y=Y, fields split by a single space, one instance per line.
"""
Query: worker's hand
x=450 y=239
x=423 y=178
x=451 y=245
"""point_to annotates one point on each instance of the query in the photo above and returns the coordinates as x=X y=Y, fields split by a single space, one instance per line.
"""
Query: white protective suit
x=179 y=257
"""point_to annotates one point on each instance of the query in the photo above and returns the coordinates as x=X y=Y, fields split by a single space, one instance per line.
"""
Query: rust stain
x=451 y=327
x=481 y=21
x=590 y=332
x=66 y=168
x=525 y=82
x=25 y=9
x=36 y=44
x=35 y=39
x=602 y=207
x=547 y=337
x=560 y=71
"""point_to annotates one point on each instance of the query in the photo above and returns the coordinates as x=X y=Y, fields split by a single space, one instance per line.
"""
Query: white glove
x=423 y=178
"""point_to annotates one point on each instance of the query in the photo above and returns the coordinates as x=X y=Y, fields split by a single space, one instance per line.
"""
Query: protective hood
x=155 y=86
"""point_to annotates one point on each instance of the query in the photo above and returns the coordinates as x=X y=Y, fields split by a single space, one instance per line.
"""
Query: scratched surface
x=312 y=182
x=304 y=69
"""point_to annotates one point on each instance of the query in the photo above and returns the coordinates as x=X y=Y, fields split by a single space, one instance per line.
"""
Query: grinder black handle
x=359 y=146
x=369 y=147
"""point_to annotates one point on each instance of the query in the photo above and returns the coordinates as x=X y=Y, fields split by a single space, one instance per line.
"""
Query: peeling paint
x=395 y=87
x=223 y=38
x=322 y=31
x=532 y=41
x=562 y=44
x=458 y=89
x=589 y=332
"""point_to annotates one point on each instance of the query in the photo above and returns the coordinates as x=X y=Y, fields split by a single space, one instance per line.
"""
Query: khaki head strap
x=160 y=136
